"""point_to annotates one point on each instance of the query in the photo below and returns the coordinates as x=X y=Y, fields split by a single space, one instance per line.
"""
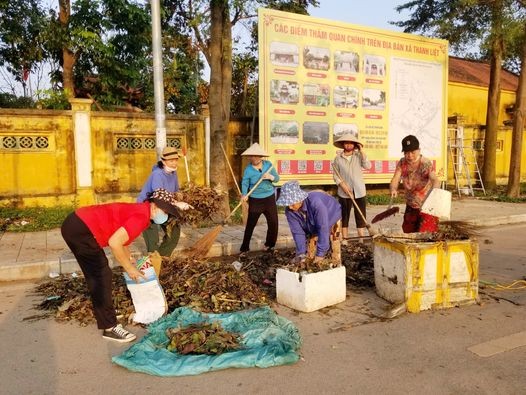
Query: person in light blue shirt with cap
x=309 y=214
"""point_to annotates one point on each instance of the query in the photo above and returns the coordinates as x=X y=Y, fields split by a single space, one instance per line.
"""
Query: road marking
x=502 y=344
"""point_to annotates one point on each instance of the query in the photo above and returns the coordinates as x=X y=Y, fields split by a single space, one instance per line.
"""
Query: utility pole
x=158 y=85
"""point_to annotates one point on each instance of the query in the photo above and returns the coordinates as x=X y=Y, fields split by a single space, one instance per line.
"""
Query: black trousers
x=256 y=207
x=94 y=264
x=347 y=206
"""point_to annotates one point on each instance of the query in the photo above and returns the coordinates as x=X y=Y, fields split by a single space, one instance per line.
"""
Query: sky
x=371 y=13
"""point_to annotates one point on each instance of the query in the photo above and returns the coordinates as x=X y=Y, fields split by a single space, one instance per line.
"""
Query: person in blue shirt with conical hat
x=262 y=199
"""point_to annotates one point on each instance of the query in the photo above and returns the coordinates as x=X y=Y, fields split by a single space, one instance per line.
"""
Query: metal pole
x=158 y=85
x=207 y=149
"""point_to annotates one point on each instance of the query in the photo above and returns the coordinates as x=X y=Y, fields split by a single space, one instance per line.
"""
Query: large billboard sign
x=319 y=79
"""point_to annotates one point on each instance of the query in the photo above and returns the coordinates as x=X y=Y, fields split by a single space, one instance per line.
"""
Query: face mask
x=160 y=217
x=169 y=169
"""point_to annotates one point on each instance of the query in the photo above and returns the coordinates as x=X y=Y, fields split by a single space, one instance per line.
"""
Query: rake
x=203 y=245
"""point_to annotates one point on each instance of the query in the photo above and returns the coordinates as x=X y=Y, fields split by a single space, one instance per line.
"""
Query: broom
x=245 y=204
x=386 y=213
x=367 y=224
x=203 y=245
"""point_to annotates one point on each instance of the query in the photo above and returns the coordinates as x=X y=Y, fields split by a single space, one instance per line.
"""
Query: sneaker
x=270 y=250
x=118 y=334
x=243 y=254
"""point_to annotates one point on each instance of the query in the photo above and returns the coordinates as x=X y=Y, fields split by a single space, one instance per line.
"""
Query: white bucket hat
x=254 y=150
x=291 y=193
x=351 y=137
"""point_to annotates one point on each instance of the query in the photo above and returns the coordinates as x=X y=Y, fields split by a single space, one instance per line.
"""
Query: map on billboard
x=320 y=79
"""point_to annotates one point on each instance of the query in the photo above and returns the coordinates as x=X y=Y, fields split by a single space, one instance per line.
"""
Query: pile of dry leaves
x=204 y=338
x=206 y=203
x=209 y=286
x=205 y=286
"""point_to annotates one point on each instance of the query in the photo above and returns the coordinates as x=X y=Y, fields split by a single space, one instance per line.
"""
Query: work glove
x=183 y=206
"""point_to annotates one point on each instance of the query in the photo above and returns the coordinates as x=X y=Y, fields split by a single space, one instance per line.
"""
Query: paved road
x=412 y=354
x=27 y=256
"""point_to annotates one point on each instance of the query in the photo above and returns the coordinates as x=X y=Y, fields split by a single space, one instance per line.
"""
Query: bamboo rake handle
x=367 y=225
x=249 y=192
x=230 y=167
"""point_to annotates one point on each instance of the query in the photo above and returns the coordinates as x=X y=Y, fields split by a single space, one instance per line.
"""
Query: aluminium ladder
x=465 y=166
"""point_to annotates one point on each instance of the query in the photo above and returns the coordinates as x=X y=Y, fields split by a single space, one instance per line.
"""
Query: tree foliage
x=21 y=35
x=99 y=49
x=211 y=23
x=492 y=24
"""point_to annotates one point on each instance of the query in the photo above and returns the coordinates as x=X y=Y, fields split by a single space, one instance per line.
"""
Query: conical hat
x=349 y=137
x=254 y=150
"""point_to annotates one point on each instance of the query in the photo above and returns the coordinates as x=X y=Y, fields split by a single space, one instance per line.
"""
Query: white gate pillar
x=81 y=109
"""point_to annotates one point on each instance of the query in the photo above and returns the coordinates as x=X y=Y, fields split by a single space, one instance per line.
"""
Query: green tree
x=464 y=22
x=244 y=84
x=21 y=27
x=211 y=22
x=104 y=48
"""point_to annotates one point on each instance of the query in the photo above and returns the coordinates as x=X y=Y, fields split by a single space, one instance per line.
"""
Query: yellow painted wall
x=36 y=155
x=470 y=103
x=124 y=150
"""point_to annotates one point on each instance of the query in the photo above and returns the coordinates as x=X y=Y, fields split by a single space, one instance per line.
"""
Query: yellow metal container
x=426 y=275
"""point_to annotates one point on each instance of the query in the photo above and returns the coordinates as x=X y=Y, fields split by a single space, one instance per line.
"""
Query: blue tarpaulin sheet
x=267 y=340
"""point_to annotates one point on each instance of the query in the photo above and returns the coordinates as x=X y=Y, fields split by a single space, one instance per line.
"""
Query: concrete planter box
x=312 y=291
x=427 y=275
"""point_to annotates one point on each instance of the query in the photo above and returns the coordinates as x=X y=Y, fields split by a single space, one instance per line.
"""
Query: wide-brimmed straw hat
x=350 y=137
x=170 y=153
x=164 y=200
x=291 y=193
x=254 y=150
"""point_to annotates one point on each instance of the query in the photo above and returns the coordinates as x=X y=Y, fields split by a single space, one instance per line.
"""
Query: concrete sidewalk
x=25 y=256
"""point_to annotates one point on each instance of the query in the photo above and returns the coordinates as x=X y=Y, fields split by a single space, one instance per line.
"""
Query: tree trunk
x=492 y=116
x=68 y=62
x=68 y=57
x=514 y=181
x=220 y=90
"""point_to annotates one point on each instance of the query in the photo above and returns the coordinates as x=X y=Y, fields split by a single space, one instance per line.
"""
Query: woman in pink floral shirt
x=418 y=177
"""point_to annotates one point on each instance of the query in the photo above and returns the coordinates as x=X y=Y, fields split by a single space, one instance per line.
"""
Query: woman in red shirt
x=418 y=177
x=89 y=229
